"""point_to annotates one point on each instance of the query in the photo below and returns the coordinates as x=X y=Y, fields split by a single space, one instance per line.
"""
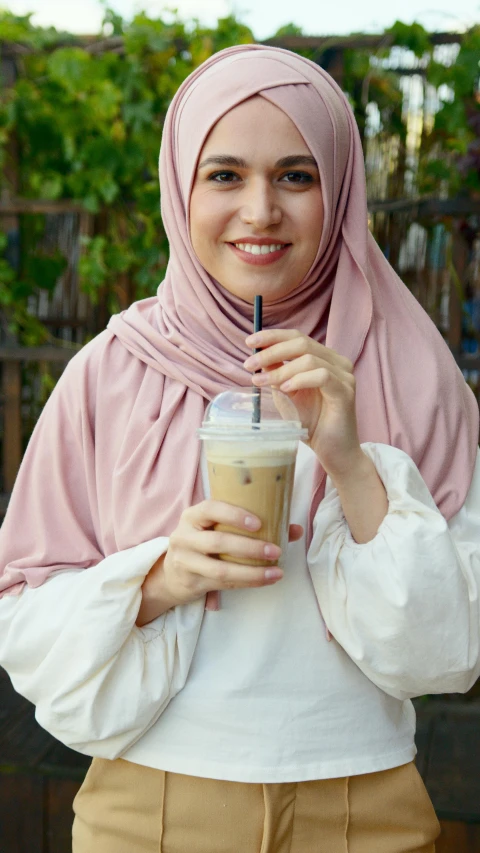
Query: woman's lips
x=259 y=260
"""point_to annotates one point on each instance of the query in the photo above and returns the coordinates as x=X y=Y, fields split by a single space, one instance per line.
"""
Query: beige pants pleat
x=321 y=817
x=395 y=807
x=279 y=815
x=127 y=808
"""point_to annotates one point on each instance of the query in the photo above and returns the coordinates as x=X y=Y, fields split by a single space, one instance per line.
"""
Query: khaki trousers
x=127 y=808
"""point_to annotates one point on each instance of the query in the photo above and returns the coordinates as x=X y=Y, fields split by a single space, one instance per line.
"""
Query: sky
x=264 y=17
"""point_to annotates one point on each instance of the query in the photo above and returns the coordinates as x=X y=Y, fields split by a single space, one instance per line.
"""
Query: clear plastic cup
x=250 y=440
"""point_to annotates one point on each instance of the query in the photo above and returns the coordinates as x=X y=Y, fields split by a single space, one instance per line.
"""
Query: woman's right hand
x=191 y=567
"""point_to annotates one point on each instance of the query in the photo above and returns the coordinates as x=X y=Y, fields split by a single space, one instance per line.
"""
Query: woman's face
x=256 y=210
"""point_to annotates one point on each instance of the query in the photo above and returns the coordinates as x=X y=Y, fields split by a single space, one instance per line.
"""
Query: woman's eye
x=223 y=177
x=297 y=178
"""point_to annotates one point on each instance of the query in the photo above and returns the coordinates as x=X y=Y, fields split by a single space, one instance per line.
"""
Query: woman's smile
x=259 y=252
x=256 y=208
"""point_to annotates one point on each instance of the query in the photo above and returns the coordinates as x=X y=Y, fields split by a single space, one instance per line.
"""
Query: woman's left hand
x=320 y=383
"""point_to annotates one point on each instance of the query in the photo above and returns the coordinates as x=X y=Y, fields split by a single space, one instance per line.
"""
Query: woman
x=249 y=727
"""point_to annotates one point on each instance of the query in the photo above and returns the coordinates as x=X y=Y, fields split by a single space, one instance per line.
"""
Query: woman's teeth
x=259 y=250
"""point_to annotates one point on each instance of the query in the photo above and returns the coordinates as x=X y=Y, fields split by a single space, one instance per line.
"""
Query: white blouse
x=255 y=692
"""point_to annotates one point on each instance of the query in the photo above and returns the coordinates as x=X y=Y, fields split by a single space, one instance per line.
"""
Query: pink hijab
x=114 y=458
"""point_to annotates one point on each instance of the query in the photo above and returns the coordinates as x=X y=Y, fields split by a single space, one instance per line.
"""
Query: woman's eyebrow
x=223 y=160
x=296 y=160
x=284 y=163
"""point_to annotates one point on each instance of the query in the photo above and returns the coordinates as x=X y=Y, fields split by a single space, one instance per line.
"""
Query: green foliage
x=88 y=125
x=113 y=21
x=228 y=32
x=456 y=134
x=413 y=36
x=367 y=81
x=19 y=29
x=288 y=30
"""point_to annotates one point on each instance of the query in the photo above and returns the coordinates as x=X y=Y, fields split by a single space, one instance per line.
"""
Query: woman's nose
x=260 y=206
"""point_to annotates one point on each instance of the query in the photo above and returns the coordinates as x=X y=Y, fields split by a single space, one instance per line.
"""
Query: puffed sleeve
x=71 y=646
x=68 y=637
x=404 y=606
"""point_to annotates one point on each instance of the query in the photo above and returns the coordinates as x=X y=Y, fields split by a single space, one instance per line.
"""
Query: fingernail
x=251 y=522
x=270 y=574
x=252 y=340
x=260 y=379
x=272 y=551
x=285 y=386
x=252 y=362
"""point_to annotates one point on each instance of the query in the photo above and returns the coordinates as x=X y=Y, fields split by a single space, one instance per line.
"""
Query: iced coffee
x=252 y=465
x=260 y=484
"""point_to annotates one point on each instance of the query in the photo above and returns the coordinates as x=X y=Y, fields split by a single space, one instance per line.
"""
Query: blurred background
x=83 y=94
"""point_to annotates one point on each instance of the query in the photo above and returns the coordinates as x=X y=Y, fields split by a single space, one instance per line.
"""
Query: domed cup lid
x=250 y=414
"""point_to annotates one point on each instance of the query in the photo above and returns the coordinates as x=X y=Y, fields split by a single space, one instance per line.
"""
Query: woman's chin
x=271 y=292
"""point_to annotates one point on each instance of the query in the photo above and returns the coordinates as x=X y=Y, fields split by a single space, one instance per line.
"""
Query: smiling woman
x=291 y=702
x=259 y=205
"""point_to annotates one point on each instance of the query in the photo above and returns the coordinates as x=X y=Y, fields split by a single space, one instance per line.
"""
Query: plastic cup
x=250 y=454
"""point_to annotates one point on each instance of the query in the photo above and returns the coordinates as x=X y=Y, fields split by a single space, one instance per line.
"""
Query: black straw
x=257 y=327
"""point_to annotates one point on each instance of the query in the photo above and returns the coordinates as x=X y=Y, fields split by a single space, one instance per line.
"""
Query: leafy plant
x=452 y=150
x=412 y=36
